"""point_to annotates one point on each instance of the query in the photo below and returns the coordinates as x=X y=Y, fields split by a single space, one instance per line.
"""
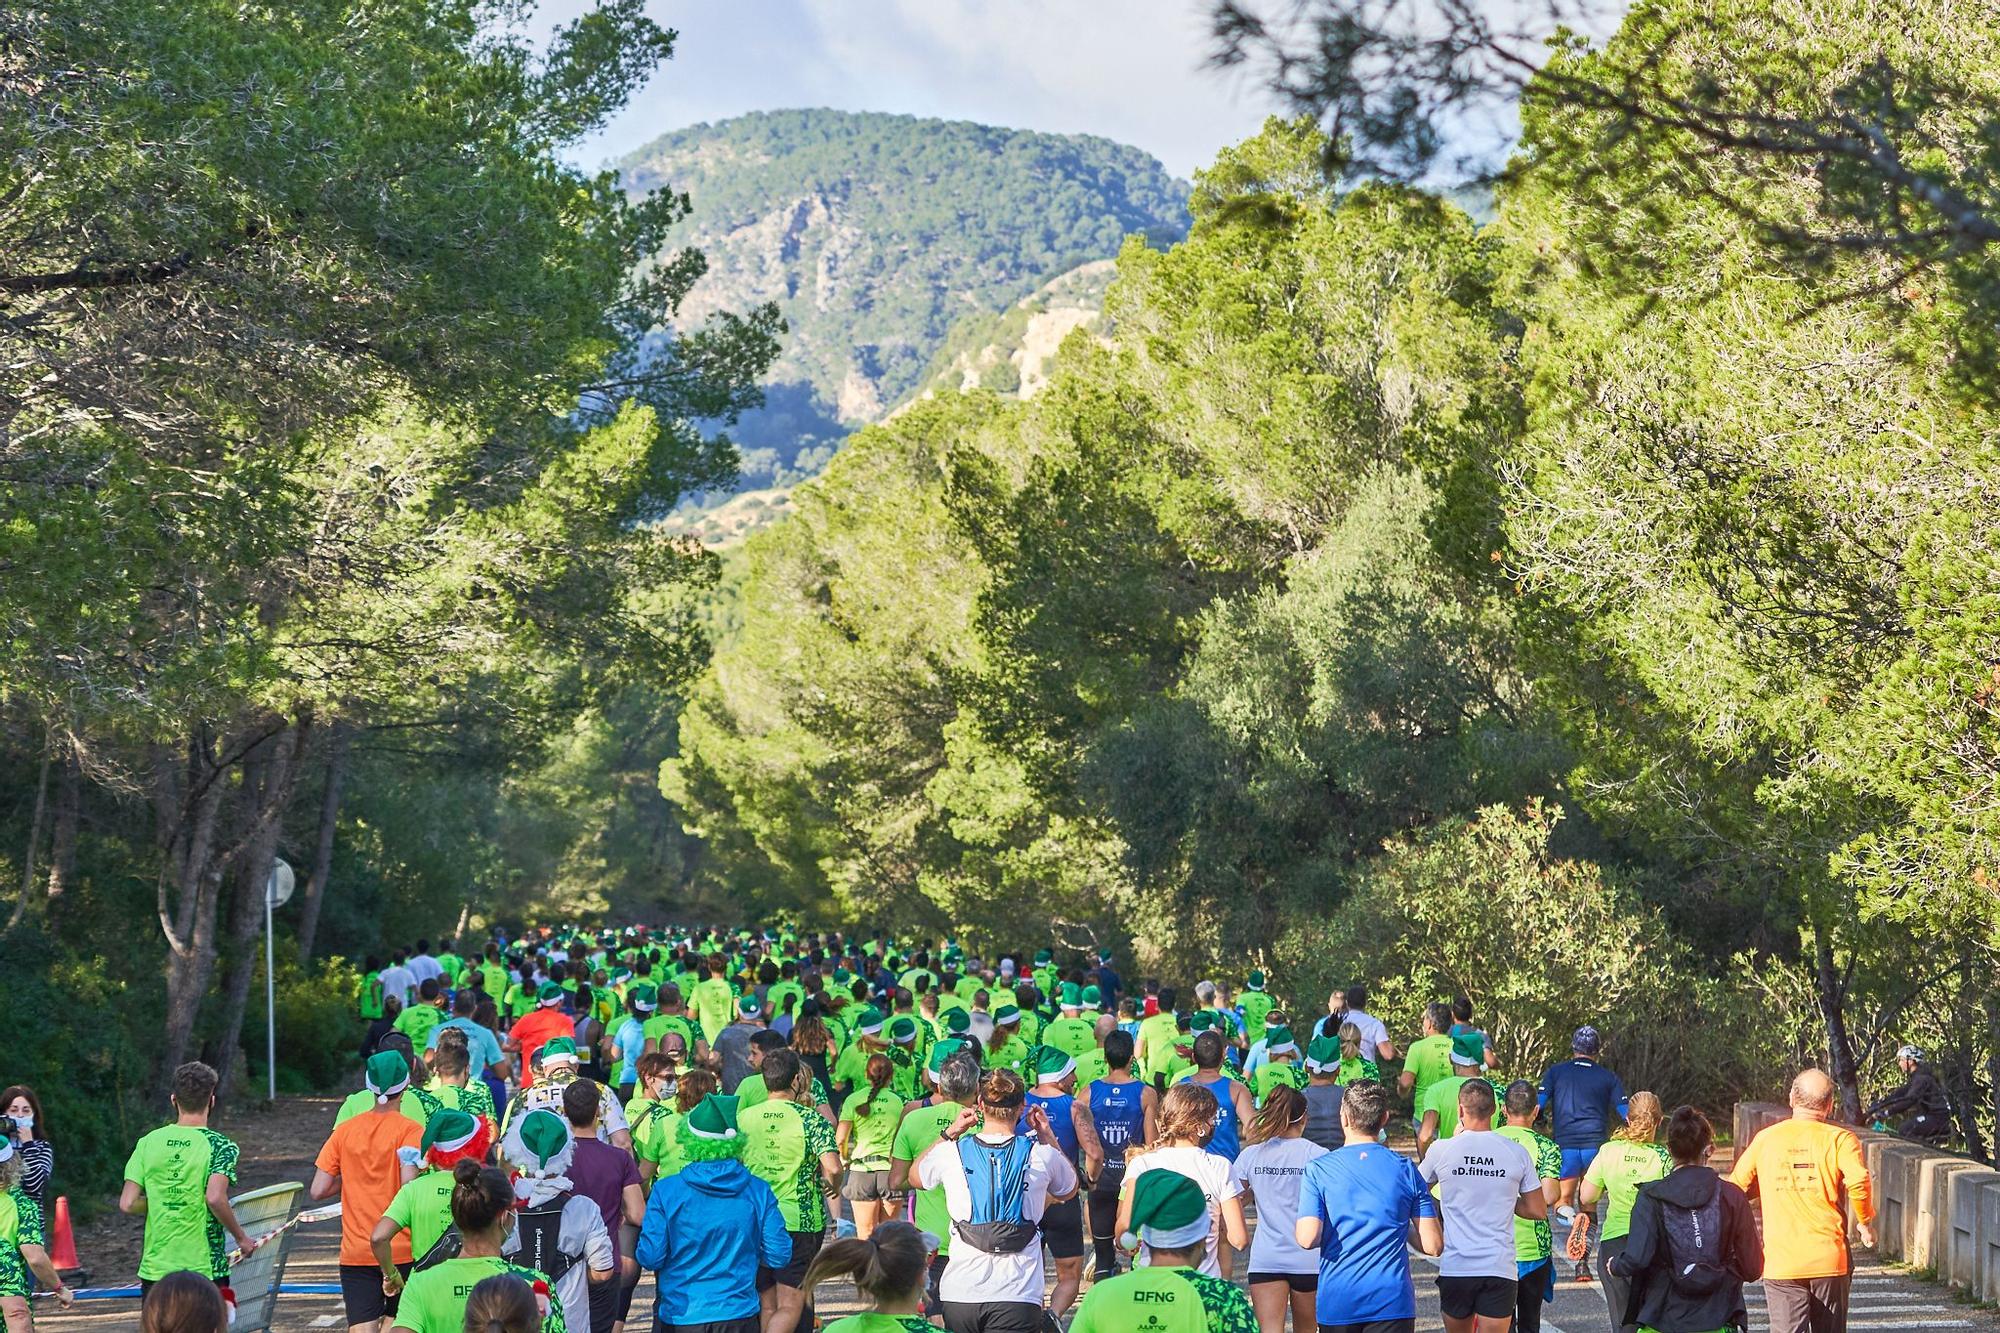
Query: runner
x=1621 y=1166
x=422 y=1206
x=626 y=1042
x=435 y=1301
x=609 y=1178
x=792 y=1149
x=1283 y=1277
x=1187 y=1122
x=361 y=1163
x=866 y=1131
x=184 y=1302
x=1355 y=1066
x=454 y=1087
x=557 y=1059
x=1068 y=1116
x=713 y=1002
x=418 y=1020
x=1693 y=1242
x=955 y=1073
x=24 y=1256
x=1157 y=1034
x=1323 y=1093
x=887 y=1269
x=1168 y=1293
x=1485 y=1180
x=1232 y=1099
x=1009 y=1050
x=558 y=1232
x=659 y=1150
x=1255 y=1004
x=483 y=1047
x=1534 y=1253
x=531 y=1031
x=1280 y=1068
x=1355 y=1208
x=997 y=1185
x=1428 y=1059
x=1124 y=1110
x=178 y=1177
x=1440 y=1108
x=1582 y=1098
x=1804 y=1170
x=502 y=1303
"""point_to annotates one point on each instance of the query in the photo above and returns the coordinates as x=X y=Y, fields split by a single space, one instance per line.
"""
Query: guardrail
x=1936 y=1211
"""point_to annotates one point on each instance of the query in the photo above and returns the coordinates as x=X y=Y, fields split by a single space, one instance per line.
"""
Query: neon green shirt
x=1165 y=1300
x=1072 y=1036
x=172 y=1166
x=422 y=1207
x=1443 y=1098
x=1533 y=1241
x=714 y=1005
x=782 y=1145
x=919 y=1130
x=868 y=1149
x=1428 y=1059
x=1619 y=1169
x=881 y=1323
x=1269 y=1076
x=434 y=1302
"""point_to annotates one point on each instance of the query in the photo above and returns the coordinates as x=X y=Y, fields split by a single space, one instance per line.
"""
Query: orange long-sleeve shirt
x=1800 y=1169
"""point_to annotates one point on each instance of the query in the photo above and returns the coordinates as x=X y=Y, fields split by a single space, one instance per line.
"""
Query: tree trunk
x=190 y=926
x=1831 y=991
x=30 y=865
x=62 y=848
x=329 y=818
x=267 y=790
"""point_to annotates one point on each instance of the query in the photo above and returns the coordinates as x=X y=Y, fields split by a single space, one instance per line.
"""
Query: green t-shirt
x=1533 y=1241
x=1619 y=1169
x=1090 y=1067
x=20 y=1224
x=1012 y=1053
x=752 y=1092
x=782 y=1145
x=1427 y=1060
x=416 y=1103
x=495 y=977
x=659 y=1025
x=1256 y=1007
x=919 y=1130
x=423 y=1208
x=850 y=1067
x=452 y=965
x=475 y=1098
x=714 y=1006
x=1443 y=1098
x=1074 y=1037
x=434 y=1301
x=1158 y=1034
x=1269 y=1076
x=1165 y=1300
x=656 y=1137
x=172 y=1165
x=868 y=1149
x=881 y=1323
x=371 y=995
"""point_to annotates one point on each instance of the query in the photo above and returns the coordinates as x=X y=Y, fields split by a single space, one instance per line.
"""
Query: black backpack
x=539 y=1231
x=1694 y=1248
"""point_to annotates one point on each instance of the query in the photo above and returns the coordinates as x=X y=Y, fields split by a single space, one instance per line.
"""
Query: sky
x=1130 y=70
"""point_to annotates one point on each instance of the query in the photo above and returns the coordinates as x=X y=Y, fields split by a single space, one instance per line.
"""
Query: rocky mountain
x=877 y=236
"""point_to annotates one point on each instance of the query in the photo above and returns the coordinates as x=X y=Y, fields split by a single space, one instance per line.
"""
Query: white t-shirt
x=399 y=981
x=975 y=1276
x=1206 y=1169
x=1271 y=1171
x=1373 y=1034
x=1481 y=1175
x=423 y=967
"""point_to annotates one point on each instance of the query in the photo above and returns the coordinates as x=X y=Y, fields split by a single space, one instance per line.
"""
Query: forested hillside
x=875 y=235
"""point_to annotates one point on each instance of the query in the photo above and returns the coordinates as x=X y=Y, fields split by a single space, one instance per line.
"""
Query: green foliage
x=316 y=1026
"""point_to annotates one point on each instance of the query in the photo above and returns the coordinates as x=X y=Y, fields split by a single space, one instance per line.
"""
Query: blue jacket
x=1582 y=1097
x=707 y=1231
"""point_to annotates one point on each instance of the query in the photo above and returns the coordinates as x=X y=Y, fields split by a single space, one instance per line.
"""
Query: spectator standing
x=29 y=1133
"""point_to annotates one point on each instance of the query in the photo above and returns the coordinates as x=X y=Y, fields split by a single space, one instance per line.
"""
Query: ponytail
x=1283 y=1107
x=886 y=1267
x=880 y=1071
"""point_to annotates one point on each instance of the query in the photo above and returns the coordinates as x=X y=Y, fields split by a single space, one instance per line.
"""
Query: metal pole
x=270 y=1000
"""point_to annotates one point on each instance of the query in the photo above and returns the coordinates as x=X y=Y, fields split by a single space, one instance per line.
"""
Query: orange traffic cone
x=63 y=1251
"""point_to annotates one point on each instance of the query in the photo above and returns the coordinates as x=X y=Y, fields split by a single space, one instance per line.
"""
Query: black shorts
x=603 y=1305
x=1062 y=1229
x=1104 y=1202
x=992 y=1317
x=1464 y=1297
x=1296 y=1281
x=361 y=1292
x=805 y=1248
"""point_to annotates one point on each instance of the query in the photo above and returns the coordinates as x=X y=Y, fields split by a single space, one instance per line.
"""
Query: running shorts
x=1464 y=1297
x=1296 y=1281
x=361 y=1292
x=1062 y=1229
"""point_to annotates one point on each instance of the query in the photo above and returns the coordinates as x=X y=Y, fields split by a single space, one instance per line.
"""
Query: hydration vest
x=996 y=1175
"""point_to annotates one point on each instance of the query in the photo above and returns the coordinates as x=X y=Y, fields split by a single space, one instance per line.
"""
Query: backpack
x=444 y=1247
x=997 y=1177
x=539 y=1230
x=1694 y=1248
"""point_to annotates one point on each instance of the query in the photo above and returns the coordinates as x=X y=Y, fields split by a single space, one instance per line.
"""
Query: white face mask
x=24 y=1123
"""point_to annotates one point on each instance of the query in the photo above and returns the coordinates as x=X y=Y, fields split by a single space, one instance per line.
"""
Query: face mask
x=24 y=1123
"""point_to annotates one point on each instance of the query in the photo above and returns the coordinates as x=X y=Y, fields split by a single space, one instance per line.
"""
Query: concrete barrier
x=1959 y=1264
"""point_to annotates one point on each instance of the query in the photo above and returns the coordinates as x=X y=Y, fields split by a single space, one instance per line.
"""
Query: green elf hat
x=957 y=1020
x=1279 y=1041
x=1053 y=1065
x=869 y=1021
x=1043 y=957
x=903 y=1030
x=1071 y=995
x=447 y=1131
x=1006 y=1015
x=645 y=999
x=750 y=1006
x=549 y=996
x=621 y=976
x=558 y=1050
x=714 y=1119
x=1169 y=1212
x=543 y=1139
x=1468 y=1048
x=1256 y=981
x=387 y=1073
x=1093 y=998
x=1202 y=1020
x=841 y=976
x=1322 y=1055
x=940 y=1053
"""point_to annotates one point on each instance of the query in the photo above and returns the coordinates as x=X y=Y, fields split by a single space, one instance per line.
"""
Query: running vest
x=996 y=1176
x=1225 y=1143
x=1061 y=1120
x=540 y=1232
x=1323 y=1116
x=1120 y=1112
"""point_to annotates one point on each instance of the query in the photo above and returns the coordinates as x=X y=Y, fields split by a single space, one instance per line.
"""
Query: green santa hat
x=540 y=1145
x=869 y=1021
x=1006 y=1015
x=1169 y=1212
x=1256 y=981
x=550 y=995
x=558 y=1050
x=1091 y=999
x=1202 y=1020
x=449 y=1131
x=1322 y=1056
x=645 y=999
x=1053 y=1065
x=1071 y=995
x=387 y=1073
x=903 y=1030
x=1043 y=957
x=1279 y=1041
x=709 y=1133
x=1468 y=1048
x=957 y=1020
x=940 y=1053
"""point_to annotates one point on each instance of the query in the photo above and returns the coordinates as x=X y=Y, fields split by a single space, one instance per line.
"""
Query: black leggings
x=1103 y=1204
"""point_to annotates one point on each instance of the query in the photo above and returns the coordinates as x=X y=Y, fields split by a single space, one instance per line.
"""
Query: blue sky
x=1131 y=70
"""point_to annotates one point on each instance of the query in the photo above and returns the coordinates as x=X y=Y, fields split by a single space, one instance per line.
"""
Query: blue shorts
x=1576 y=1161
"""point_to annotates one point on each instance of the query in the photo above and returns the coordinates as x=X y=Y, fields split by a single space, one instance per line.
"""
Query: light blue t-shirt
x=630 y=1040
x=483 y=1045
x=1364 y=1196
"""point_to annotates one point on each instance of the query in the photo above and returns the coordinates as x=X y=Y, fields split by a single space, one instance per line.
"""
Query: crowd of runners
x=750 y=1116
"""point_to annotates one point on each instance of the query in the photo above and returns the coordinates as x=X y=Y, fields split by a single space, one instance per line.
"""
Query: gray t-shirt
x=1481 y=1175
x=1271 y=1172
